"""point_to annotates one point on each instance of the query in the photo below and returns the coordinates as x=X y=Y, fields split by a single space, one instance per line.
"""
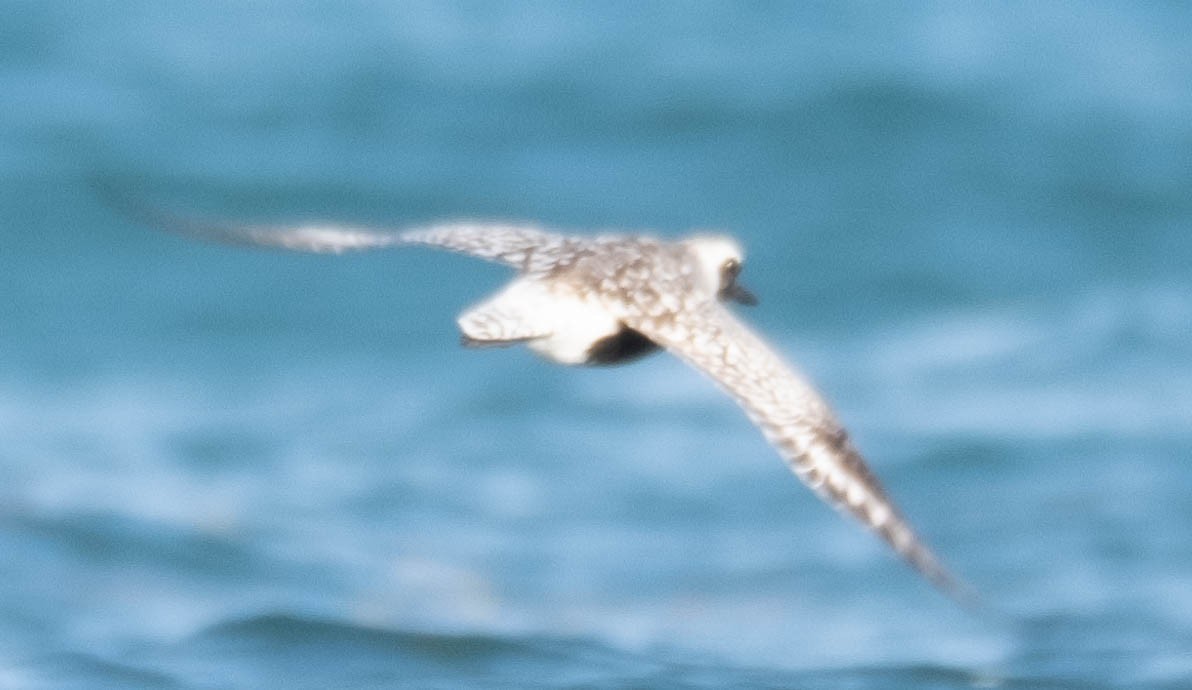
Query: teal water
x=222 y=468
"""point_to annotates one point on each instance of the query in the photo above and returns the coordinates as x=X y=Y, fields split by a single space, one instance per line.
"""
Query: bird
x=610 y=299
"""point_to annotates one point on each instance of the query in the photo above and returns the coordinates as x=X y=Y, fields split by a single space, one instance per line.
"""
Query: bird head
x=718 y=264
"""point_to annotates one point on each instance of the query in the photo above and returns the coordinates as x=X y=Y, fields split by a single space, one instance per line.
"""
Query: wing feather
x=797 y=421
x=523 y=247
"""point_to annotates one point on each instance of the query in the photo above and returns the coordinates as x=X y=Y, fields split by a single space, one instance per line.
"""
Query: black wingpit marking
x=625 y=346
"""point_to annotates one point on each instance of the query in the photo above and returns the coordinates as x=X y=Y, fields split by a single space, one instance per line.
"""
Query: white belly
x=576 y=325
x=560 y=327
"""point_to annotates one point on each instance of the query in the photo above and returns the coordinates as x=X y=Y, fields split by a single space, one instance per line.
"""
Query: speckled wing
x=796 y=420
x=523 y=247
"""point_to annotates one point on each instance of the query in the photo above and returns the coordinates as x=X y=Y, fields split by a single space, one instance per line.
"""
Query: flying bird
x=611 y=299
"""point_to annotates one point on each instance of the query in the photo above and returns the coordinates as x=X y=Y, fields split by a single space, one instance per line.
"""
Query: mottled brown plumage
x=607 y=299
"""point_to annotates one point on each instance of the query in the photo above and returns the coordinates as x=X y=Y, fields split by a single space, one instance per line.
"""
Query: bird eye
x=731 y=267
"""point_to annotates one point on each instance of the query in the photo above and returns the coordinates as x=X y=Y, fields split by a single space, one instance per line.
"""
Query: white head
x=718 y=262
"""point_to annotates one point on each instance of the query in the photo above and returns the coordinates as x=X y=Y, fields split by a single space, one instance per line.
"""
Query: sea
x=969 y=223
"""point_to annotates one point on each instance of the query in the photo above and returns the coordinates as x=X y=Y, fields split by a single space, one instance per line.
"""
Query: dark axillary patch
x=625 y=346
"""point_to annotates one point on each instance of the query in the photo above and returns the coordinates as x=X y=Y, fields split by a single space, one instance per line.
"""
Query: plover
x=611 y=299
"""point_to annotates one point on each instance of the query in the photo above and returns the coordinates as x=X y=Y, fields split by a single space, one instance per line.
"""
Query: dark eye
x=730 y=268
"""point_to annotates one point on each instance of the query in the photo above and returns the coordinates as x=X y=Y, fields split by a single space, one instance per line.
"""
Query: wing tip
x=926 y=563
x=308 y=237
x=134 y=207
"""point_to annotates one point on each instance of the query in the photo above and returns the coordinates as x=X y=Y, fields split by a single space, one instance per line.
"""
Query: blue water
x=222 y=468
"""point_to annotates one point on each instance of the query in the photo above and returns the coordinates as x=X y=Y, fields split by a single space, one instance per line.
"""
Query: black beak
x=738 y=294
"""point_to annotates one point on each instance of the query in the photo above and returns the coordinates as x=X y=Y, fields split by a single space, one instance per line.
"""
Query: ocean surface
x=228 y=468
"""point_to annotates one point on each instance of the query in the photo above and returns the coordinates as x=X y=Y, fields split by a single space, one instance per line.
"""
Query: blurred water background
x=224 y=468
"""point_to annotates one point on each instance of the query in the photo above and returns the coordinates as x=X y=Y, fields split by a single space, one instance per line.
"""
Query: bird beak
x=739 y=294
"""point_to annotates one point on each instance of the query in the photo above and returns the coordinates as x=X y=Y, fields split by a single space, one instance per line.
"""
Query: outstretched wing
x=523 y=247
x=796 y=420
